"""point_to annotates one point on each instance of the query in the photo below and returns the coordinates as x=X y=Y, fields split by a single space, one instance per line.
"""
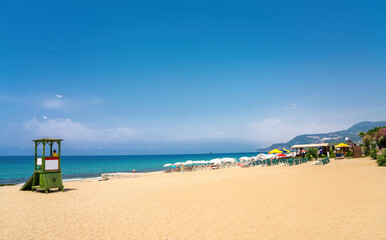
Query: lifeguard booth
x=47 y=172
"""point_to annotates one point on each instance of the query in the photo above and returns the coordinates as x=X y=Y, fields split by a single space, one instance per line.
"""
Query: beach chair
x=249 y=164
x=257 y=163
x=318 y=162
x=288 y=162
x=285 y=162
x=266 y=163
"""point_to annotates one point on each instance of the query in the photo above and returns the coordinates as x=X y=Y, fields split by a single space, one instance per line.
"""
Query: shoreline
x=75 y=167
x=79 y=178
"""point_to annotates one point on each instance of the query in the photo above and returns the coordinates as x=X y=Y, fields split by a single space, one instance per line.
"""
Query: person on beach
x=55 y=154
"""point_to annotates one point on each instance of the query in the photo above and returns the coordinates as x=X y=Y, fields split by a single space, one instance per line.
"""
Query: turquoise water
x=17 y=169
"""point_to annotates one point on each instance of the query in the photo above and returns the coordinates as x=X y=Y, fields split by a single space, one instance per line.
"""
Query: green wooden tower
x=47 y=173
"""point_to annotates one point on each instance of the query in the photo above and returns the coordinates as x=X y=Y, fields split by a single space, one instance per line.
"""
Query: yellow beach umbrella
x=276 y=151
x=287 y=151
x=342 y=145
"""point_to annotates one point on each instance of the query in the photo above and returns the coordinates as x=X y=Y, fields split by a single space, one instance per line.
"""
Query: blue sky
x=154 y=77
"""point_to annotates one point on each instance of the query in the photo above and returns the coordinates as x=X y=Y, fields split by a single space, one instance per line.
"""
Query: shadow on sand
x=57 y=190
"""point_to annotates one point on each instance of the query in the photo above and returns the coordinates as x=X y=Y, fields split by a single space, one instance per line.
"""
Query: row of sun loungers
x=251 y=163
x=281 y=161
x=190 y=168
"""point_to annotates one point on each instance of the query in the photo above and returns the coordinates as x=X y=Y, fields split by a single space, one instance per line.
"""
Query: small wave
x=79 y=179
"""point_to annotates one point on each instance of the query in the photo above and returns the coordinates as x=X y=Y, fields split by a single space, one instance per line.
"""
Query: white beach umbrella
x=244 y=158
x=178 y=163
x=168 y=165
x=261 y=156
x=214 y=160
x=227 y=159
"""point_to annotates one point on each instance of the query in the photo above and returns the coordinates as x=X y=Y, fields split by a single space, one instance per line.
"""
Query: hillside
x=339 y=136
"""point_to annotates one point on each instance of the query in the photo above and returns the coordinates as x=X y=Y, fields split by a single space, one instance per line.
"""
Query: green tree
x=373 y=153
x=381 y=141
x=362 y=135
x=373 y=131
x=332 y=154
x=380 y=137
x=349 y=153
x=381 y=159
x=312 y=153
x=366 y=144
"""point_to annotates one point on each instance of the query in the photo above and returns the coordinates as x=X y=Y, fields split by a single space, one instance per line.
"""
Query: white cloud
x=54 y=104
x=291 y=106
x=77 y=132
x=61 y=103
x=45 y=117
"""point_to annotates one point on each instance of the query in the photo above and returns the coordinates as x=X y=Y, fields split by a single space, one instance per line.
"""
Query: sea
x=17 y=169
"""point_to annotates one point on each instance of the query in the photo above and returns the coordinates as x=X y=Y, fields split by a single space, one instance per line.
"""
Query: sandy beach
x=345 y=199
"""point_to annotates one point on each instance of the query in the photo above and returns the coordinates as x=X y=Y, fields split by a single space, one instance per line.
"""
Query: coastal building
x=338 y=147
x=323 y=147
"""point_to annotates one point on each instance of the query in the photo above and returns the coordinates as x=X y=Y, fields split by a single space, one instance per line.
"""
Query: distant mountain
x=339 y=136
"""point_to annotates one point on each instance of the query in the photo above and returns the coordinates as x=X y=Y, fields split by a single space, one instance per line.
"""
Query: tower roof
x=48 y=139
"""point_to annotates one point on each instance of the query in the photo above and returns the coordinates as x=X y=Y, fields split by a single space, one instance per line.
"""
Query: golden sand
x=345 y=199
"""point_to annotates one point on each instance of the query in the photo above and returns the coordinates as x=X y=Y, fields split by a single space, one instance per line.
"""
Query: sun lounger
x=318 y=162
x=256 y=163
x=248 y=164
x=323 y=161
